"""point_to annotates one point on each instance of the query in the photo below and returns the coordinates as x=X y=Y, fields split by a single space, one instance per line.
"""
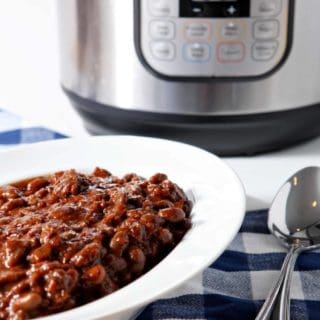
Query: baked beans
x=69 y=238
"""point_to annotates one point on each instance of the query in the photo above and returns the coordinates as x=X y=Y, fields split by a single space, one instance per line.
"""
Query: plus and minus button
x=232 y=10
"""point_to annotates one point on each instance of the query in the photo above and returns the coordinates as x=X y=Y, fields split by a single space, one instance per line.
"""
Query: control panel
x=213 y=38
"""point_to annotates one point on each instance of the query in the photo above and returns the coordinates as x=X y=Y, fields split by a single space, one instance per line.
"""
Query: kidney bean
x=119 y=242
x=41 y=194
x=118 y=201
x=71 y=280
x=162 y=204
x=110 y=218
x=168 y=185
x=137 y=231
x=158 y=178
x=165 y=236
x=131 y=177
x=12 y=275
x=36 y=184
x=9 y=192
x=101 y=173
x=151 y=221
x=52 y=198
x=143 y=184
x=64 y=212
x=49 y=234
x=172 y=214
x=5 y=220
x=15 y=251
x=157 y=192
x=59 y=284
x=95 y=274
x=17 y=288
x=41 y=269
x=13 y=204
x=69 y=183
x=40 y=253
x=27 y=302
x=127 y=223
x=138 y=258
x=87 y=255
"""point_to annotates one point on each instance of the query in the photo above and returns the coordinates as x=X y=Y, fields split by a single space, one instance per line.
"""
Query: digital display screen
x=215 y=8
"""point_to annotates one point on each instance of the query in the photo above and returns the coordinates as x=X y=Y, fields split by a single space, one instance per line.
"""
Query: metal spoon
x=294 y=218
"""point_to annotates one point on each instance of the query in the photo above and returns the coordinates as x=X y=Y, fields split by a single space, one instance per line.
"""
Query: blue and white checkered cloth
x=234 y=287
x=15 y=131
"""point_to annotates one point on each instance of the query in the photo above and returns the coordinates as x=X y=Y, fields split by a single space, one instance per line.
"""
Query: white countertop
x=29 y=86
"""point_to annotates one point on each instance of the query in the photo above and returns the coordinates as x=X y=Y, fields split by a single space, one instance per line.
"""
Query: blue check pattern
x=234 y=287
x=230 y=285
x=15 y=131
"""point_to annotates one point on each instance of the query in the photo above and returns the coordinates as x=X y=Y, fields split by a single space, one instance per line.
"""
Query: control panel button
x=231 y=52
x=264 y=50
x=232 y=10
x=266 y=8
x=214 y=8
x=163 y=50
x=231 y=30
x=213 y=38
x=163 y=8
x=198 y=31
x=163 y=30
x=267 y=29
x=197 y=52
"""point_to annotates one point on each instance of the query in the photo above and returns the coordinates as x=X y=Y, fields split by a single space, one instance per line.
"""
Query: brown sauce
x=70 y=238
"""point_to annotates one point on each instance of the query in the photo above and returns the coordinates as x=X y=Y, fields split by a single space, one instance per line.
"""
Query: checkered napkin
x=234 y=287
x=15 y=131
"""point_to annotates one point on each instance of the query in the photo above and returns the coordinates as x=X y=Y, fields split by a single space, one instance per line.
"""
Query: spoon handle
x=283 y=312
x=273 y=296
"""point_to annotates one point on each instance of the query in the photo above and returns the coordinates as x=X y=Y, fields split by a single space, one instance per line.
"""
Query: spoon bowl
x=295 y=211
x=294 y=219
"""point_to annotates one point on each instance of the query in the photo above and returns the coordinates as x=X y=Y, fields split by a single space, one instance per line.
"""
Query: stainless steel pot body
x=99 y=62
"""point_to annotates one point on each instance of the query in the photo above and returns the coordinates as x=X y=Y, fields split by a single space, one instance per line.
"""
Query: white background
x=29 y=86
x=29 y=65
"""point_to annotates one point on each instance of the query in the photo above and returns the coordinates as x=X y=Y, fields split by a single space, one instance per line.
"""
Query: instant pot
x=234 y=77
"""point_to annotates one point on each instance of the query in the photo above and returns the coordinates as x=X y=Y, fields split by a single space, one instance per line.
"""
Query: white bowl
x=218 y=196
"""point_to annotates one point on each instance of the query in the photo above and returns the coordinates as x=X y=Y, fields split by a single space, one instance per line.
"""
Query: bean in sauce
x=69 y=238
